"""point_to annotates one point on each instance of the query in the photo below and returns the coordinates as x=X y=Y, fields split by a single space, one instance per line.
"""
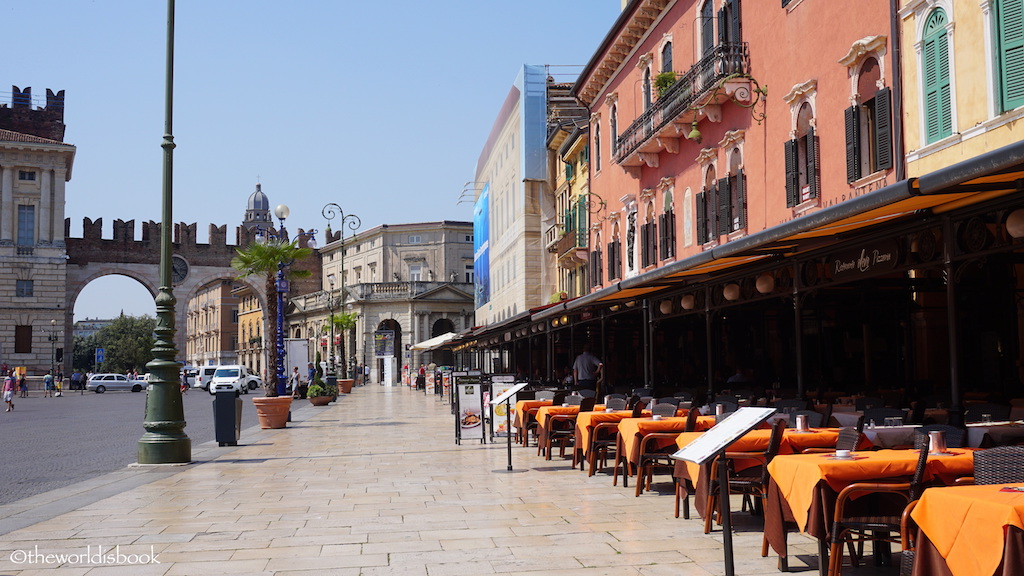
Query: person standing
x=10 y=383
x=23 y=385
x=48 y=385
x=587 y=369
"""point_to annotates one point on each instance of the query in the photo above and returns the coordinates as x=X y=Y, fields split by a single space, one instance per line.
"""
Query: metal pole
x=282 y=384
x=165 y=441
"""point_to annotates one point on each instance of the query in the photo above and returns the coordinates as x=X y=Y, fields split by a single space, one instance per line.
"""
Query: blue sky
x=382 y=108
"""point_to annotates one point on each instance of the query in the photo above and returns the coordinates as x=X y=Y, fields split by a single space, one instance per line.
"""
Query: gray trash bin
x=227 y=418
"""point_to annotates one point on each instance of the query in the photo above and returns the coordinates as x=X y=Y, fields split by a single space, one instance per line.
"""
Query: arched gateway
x=195 y=265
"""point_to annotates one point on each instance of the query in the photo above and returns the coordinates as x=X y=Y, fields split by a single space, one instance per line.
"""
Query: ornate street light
x=165 y=441
x=330 y=309
x=353 y=222
x=53 y=336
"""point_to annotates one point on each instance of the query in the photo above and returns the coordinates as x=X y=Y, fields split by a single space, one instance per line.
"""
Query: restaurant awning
x=987 y=176
x=435 y=342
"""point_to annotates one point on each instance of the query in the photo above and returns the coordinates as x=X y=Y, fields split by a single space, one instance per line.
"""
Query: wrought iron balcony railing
x=726 y=59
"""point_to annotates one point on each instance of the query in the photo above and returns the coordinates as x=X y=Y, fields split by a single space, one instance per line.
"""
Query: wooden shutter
x=813 y=164
x=1011 y=53
x=652 y=240
x=935 y=55
x=662 y=238
x=645 y=255
x=741 y=199
x=611 y=261
x=723 y=25
x=724 y=206
x=707 y=28
x=670 y=233
x=792 y=174
x=702 y=219
x=883 y=130
x=852 y=121
x=735 y=31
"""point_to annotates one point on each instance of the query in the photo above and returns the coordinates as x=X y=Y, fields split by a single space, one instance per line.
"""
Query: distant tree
x=127 y=343
x=84 y=354
x=262 y=259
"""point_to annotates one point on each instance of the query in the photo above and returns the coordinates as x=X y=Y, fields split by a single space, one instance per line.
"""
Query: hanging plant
x=664 y=81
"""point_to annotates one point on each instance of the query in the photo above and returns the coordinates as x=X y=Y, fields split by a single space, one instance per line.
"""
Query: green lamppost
x=353 y=222
x=165 y=441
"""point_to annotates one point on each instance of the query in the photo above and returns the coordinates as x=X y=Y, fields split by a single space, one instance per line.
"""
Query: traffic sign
x=99 y=355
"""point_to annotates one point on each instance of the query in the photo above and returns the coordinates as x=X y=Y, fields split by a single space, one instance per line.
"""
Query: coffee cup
x=842 y=453
x=609 y=409
x=656 y=417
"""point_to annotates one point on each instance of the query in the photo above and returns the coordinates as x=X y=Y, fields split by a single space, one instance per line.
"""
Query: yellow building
x=251 y=351
x=963 y=79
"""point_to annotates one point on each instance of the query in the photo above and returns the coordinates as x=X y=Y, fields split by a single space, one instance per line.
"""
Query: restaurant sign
x=866 y=260
x=384 y=343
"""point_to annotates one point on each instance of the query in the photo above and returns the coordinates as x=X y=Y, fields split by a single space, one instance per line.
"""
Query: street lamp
x=330 y=308
x=165 y=441
x=53 y=337
x=330 y=212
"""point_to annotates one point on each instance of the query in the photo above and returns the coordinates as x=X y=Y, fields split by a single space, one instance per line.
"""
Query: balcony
x=719 y=76
x=403 y=290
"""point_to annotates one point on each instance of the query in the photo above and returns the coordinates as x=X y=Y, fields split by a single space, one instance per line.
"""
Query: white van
x=234 y=378
x=203 y=376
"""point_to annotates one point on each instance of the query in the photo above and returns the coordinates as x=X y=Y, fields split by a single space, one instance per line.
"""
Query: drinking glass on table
x=986 y=418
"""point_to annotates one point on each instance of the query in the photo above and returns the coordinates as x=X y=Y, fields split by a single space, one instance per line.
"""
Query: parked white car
x=235 y=378
x=100 y=383
x=203 y=376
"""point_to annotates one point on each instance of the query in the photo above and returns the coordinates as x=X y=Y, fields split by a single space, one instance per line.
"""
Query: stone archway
x=92 y=257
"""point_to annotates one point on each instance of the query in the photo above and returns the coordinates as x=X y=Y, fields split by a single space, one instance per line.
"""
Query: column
x=45 y=206
x=7 y=205
x=59 y=182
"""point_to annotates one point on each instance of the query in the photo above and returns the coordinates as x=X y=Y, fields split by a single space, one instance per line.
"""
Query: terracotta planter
x=320 y=400
x=272 y=411
x=345 y=385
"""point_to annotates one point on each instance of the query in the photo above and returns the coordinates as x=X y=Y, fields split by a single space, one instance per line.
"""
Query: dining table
x=803 y=488
x=524 y=411
x=968 y=530
x=989 y=434
x=793 y=442
x=633 y=430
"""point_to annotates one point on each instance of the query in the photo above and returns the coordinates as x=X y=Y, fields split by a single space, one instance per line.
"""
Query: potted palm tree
x=343 y=323
x=264 y=259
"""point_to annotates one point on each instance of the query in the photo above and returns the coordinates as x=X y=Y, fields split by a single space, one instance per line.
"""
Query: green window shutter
x=702 y=219
x=813 y=164
x=852 y=121
x=1011 y=52
x=883 y=130
x=938 y=111
x=792 y=175
x=741 y=198
x=724 y=206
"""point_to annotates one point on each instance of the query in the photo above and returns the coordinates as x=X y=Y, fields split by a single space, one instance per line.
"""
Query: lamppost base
x=164 y=449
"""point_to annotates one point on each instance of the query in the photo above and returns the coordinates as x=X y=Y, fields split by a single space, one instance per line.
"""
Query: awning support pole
x=798 y=332
x=956 y=414
x=707 y=340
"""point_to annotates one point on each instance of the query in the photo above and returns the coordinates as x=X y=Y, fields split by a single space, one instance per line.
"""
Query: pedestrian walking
x=60 y=382
x=23 y=385
x=10 y=383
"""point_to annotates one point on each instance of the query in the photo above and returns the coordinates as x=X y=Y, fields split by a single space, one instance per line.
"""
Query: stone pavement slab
x=371 y=485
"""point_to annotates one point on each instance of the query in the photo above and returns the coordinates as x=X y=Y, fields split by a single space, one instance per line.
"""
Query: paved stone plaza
x=371 y=485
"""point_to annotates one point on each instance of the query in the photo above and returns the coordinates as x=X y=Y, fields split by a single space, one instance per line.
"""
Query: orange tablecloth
x=632 y=431
x=524 y=406
x=585 y=422
x=966 y=524
x=798 y=475
x=546 y=412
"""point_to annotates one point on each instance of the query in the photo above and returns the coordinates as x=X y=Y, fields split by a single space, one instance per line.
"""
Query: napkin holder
x=801 y=423
x=937 y=442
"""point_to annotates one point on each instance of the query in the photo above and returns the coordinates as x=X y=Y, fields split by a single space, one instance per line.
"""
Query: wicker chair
x=847 y=439
x=669 y=400
x=954 y=435
x=663 y=409
x=815 y=419
x=615 y=403
x=790 y=405
x=999 y=465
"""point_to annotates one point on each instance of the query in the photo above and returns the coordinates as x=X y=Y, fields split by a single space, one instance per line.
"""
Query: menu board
x=715 y=440
x=501 y=419
x=469 y=403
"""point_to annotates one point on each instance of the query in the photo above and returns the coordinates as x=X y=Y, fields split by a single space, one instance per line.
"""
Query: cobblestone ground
x=51 y=443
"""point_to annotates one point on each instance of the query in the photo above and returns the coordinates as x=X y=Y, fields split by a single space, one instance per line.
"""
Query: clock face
x=179 y=269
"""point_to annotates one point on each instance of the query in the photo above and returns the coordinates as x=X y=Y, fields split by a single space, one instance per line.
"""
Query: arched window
x=615 y=254
x=868 y=125
x=938 y=109
x=707 y=217
x=613 y=129
x=733 y=192
x=647 y=89
x=667 y=226
x=649 y=237
x=666 y=57
x=597 y=147
x=803 y=182
x=596 y=263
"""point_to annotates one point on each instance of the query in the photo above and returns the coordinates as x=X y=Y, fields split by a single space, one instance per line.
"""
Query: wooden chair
x=638 y=409
x=653 y=459
x=602 y=442
x=752 y=482
x=850 y=528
